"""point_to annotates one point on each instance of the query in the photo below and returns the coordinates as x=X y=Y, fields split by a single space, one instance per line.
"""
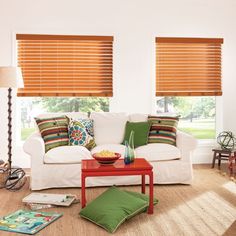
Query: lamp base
x=16 y=179
x=11 y=178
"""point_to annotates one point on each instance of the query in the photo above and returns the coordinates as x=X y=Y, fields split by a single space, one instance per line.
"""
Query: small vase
x=126 y=156
x=131 y=146
x=129 y=149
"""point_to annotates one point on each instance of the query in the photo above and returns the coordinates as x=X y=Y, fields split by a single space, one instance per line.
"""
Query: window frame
x=16 y=108
x=219 y=104
x=39 y=109
x=218 y=119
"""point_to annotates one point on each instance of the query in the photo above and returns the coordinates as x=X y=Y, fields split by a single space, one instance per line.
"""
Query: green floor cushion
x=142 y=196
x=113 y=207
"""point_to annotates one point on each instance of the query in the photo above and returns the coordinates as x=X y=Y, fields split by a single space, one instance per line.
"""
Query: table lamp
x=11 y=77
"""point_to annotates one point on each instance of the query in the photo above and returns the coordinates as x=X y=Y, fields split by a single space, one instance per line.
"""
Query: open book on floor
x=50 y=198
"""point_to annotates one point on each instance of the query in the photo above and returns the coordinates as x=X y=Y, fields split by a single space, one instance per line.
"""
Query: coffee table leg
x=143 y=183
x=83 y=197
x=150 y=209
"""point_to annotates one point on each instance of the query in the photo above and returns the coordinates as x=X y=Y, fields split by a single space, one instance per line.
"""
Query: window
x=63 y=73
x=197 y=114
x=30 y=107
x=64 y=65
x=188 y=77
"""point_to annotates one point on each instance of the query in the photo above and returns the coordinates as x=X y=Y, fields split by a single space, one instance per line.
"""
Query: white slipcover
x=151 y=152
x=138 y=117
x=109 y=127
x=66 y=155
x=44 y=175
x=158 y=152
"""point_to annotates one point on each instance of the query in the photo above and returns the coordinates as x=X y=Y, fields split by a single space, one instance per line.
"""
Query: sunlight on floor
x=230 y=186
x=207 y=214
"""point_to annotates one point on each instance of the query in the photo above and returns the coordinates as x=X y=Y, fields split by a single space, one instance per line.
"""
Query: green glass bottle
x=131 y=147
x=126 y=156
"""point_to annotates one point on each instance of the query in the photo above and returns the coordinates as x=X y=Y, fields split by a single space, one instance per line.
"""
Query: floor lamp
x=11 y=77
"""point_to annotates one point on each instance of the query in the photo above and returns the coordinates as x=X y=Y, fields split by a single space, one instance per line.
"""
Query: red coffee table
x=91 y=168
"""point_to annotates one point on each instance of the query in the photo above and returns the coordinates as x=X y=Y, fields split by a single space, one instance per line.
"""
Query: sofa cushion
x=163 y=129
x=138 y=117
x=54 y=131
x=81 y=133
x=67 y=155
x=119 y=148
x=109 y=127
x=158 y=152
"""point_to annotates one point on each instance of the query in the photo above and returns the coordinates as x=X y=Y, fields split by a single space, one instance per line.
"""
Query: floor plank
x=207 y=207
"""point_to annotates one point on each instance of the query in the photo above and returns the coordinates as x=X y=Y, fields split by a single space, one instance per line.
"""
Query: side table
x=227 y=155
x=232 y=164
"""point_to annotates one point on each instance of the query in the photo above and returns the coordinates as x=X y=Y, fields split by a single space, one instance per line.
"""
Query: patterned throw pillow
x=163 y=129
x=81 y=133
x=54 y=131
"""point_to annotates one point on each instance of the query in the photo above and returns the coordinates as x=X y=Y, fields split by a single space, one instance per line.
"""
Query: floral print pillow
x=81 y=133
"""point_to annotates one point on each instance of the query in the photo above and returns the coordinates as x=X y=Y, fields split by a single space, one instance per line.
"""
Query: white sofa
x=61 y=166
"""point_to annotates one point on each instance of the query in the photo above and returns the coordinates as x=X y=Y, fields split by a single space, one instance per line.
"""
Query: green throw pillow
x=54 y=131
x=141 y=131
x=113 y=207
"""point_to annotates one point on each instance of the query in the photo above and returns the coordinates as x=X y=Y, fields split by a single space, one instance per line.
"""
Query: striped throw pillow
x=54 y=131
x=163 y=129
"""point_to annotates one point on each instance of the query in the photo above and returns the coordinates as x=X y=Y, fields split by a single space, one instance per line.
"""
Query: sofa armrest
x=185 y=142
x=34 y=146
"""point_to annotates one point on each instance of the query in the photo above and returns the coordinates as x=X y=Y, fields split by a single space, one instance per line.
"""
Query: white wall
x=134 y=25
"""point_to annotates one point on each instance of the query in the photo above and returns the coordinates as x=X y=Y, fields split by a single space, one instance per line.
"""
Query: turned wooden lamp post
x=10 y=77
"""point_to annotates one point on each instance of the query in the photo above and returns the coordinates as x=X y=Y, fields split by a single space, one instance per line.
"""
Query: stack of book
x=38 y=201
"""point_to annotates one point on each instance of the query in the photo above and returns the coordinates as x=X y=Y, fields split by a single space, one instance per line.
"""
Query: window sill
x=207 y=143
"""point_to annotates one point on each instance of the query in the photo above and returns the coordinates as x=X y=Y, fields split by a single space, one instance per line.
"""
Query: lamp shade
x=11 y=77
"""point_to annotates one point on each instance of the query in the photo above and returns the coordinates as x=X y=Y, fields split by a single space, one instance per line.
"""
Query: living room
x=130 y=40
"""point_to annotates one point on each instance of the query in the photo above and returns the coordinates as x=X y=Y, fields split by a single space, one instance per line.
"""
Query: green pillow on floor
x=113 y=207
x=142 y=196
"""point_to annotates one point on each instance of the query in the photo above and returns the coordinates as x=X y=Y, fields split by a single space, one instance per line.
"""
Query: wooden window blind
x=65 y=65
x=188 y=66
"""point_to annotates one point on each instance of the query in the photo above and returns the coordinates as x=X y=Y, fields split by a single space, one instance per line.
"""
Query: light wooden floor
x=207 y=207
